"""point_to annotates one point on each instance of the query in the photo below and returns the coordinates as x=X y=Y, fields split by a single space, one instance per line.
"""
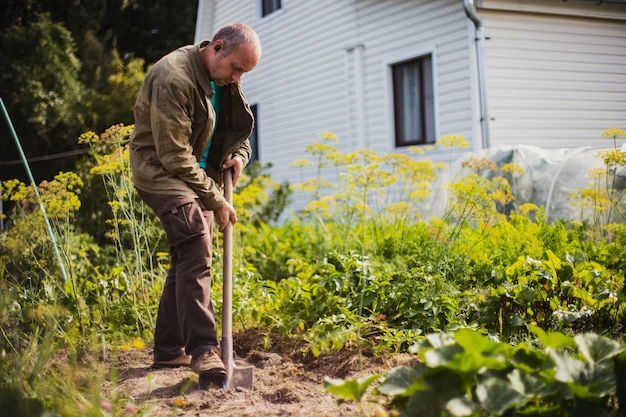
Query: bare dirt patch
x=287 y=382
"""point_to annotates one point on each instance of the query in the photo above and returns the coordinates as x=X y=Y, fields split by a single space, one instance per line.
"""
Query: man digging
x=192 y=122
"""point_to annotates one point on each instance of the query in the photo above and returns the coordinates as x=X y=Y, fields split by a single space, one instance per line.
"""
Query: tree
x=39 y=84
x=62 y=73
x=149 y=29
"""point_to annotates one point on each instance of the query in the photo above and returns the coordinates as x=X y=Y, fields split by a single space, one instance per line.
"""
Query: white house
x=385 y=74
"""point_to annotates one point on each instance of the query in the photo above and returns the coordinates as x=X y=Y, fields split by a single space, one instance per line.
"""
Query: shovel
x=235 y=376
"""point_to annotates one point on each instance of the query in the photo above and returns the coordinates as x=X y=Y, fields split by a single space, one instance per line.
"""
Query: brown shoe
x=208 y=363
x=182 y=360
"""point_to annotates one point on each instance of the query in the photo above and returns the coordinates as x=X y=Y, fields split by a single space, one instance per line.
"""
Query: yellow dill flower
x=59 y=196
x=363 y=208
x=300 y=163
x=315 y=184
x=116 y=206
x=450 y=141
x=14 y=190
x=616 y=228
x=512 y=168
x=88 y=137
x=613 y=133
x=317 y=205
x=70 y=180
x=138 y=344
x=596 y=173
x=480 y=163
x=613 y=157
x=421 y=195
x=337 y=158
x=326 y=135
x=368 y=155
x=320 y=149
x=399 y=209
x=417 y=150
x=502 y=196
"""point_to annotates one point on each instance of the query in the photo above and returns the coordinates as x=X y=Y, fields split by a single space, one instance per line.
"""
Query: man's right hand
x=224 y=215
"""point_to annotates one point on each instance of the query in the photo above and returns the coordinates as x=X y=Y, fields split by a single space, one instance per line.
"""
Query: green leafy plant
x=470 y=374
x=360 y=267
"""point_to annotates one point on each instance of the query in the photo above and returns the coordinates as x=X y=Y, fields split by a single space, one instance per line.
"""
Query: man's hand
x=236 y=164
x=224 y=215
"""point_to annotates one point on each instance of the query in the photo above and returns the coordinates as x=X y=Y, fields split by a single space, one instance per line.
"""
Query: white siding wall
x=554 y=81
x=305 y=80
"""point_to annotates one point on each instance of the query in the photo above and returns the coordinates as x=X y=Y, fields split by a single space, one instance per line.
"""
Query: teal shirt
x=216 y=102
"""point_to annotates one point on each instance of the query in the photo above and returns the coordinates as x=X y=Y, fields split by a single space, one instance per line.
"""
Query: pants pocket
x=183 y=222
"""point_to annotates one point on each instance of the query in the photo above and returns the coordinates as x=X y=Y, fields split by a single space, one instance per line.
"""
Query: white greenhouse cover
x=550 y=177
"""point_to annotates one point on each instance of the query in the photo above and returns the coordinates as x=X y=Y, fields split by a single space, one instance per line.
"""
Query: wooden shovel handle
x=227 y=281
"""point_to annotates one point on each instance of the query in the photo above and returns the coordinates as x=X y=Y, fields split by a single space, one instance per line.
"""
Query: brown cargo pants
x=185 y=320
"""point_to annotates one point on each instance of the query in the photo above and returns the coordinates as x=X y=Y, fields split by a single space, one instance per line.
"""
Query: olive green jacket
x=173 y=124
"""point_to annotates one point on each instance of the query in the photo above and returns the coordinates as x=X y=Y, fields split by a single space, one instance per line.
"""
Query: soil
x=287 y=381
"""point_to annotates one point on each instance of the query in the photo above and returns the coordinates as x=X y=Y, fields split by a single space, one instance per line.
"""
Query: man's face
x=230 y=68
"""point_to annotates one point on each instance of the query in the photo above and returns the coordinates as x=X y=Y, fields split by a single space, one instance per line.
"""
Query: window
x=254 y=136
x=414 y=111
x=269 y=6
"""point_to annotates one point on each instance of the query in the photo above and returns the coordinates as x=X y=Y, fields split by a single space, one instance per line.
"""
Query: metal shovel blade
x=235 y=376
x=242 y=377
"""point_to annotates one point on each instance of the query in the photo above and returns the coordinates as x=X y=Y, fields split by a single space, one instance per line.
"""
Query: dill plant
x=47 y=323
x=467 y=255
x=364 y=220
x=602 y=200
x=134 y=231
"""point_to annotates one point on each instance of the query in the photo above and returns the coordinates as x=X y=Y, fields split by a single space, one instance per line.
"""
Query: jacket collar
x=200 y=74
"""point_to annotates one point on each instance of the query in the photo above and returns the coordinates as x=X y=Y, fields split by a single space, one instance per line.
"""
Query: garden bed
x=287 y=382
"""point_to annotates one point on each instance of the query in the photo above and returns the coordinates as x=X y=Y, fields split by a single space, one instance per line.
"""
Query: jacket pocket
x=149 y=157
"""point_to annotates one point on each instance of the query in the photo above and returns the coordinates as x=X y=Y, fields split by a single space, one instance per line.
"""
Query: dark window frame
x=270 y=6
x=413 y=83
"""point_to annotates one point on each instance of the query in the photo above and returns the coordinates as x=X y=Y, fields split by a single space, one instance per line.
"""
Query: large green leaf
x=445 y=383
x=473 y=340
x=438 y=340
x=496 y=396
x=423 y=404
x=399 y=380
x=530 y=385
x=459 y=360
x=596 y=348
x=552 y=339
x=442 y=356
x=585 y=380
x=349 y=389
x=529 y=360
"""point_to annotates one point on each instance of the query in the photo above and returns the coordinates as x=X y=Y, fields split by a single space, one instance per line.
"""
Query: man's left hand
x=236 y=164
